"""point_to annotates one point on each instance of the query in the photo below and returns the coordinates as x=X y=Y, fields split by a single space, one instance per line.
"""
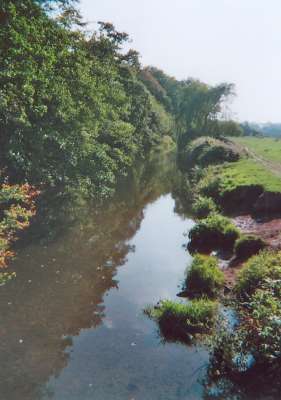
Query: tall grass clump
x=178 y=320
x=257 y=272
x=213 y=233
x=204 y=276
x=204 y=206
x=247 y=246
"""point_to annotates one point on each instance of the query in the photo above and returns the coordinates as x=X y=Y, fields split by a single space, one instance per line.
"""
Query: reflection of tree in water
x=60 y=286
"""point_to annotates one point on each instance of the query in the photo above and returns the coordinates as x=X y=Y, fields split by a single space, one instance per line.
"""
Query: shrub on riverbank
x=206 y=151
x=253 y=348
x=204 y=276
x=178 y=320
x=209 y=183
x=247 y=246
x=204 y=206
x=256 y=272
x=213 y=233
x=17 y=207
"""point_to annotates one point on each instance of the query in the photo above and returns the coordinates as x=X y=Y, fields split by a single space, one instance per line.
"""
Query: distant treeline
x=267 y=129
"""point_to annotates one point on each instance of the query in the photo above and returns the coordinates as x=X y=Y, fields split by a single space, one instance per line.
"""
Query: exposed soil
x=268 y=230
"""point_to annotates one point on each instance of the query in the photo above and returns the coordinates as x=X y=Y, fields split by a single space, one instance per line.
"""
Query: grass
x=204 y=206
x=247 y=246
x=213 y=233
x=204 y=276
x=257 y=272
x=178 y=320
x=247 y=172
x=267 y=148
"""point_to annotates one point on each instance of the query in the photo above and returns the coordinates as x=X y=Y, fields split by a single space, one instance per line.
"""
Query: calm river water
x=72 y=323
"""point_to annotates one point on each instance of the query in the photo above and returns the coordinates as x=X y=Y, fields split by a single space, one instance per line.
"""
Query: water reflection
x=65 y=334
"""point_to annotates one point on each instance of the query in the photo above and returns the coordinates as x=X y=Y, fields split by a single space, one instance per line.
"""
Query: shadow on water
x=72 y=324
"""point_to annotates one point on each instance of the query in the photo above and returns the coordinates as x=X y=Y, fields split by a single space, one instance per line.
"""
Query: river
x=72 y=322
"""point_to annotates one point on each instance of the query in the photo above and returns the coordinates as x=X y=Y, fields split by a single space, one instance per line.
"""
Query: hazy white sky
x=236 y=41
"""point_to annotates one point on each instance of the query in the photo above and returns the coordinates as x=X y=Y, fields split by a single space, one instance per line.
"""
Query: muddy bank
x=267 y=229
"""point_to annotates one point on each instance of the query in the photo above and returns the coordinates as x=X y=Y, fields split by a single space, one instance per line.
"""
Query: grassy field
x=248 y=172
x=267 y=148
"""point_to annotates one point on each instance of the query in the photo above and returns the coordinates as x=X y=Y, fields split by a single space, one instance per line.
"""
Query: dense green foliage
x=257 y=270
x=204 y=206
x=213 y=233
x=72 y=107
x=247 y=246
x=177 y=320
x=17 y=207
x=196 y=106
x=204 y=276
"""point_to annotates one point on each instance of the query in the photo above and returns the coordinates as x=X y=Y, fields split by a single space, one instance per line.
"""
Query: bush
x=203 y=207
x=210 y=183
x=178 y=320
x=250 y=356
x=213 y=233
x=204 y=276
x=17 y=207
x=206 y=151
x=247 y=246
x=257 y=271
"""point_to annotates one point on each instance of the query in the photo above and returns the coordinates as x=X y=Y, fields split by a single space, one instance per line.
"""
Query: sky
x=236 y=41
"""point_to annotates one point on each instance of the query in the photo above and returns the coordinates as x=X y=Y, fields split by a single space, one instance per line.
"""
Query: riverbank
x=237 y=202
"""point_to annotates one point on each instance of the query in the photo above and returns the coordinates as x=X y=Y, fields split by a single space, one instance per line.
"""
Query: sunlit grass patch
x=215 y=232
x=178 y=320
x=247 y=172
x=267 y=148
x=257 y=271
x=204 y=276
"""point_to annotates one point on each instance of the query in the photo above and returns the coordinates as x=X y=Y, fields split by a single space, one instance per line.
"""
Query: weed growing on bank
x=204 y=277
